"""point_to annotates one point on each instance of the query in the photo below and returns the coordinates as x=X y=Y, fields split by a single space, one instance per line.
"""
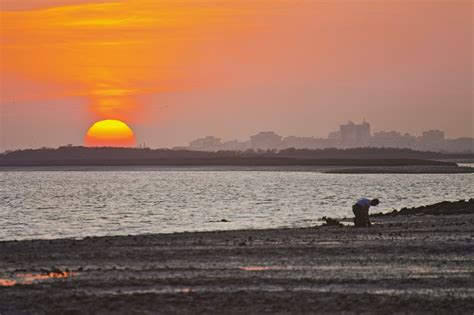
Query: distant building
x=266 y=140
x=235 y=145
x=433 y=136
x=392 y=139
x=335 y=135
x=205 y=144
x=350 y=135
x=304 y=143
x=355 y=135
x=432 y=140
x=460 y=145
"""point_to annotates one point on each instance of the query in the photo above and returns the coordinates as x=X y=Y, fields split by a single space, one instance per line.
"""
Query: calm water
x=78 y=203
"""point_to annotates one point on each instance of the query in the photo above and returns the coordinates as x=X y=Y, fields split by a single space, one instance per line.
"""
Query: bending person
x=361 y=211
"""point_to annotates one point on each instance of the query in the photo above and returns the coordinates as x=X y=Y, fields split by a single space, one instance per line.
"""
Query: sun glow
x=109 y=133
x=114 y=52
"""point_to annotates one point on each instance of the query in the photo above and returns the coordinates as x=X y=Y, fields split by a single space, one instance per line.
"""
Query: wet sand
x=405 y=263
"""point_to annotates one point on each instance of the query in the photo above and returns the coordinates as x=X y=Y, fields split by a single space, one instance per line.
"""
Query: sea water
x=46 y=203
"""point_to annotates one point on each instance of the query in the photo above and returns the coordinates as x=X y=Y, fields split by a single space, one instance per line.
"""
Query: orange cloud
x=15 y=5
x=114 y=52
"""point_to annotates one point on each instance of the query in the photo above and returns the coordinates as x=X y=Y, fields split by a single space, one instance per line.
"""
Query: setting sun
x=109 y=133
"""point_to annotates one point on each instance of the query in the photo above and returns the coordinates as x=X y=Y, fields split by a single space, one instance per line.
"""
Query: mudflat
x=408 y=169
x=404 y=263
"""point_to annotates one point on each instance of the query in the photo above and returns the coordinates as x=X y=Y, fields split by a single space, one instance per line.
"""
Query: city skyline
x=349 y=135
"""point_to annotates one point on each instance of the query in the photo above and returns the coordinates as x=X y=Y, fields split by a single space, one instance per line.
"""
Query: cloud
x=22 y=5
x=113 y=53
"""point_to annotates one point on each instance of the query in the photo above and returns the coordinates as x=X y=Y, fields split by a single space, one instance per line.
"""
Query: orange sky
x=177 y=70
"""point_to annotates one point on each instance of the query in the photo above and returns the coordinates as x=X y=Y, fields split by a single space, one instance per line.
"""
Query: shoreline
x=324 y=169
x=404 y=170
x=455 y=207
x=407 y=263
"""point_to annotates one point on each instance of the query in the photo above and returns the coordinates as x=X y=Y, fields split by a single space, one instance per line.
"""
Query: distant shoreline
x=410 y=169
x=355 y=161
x=241 y=168
x=236 y=161
x=332 y=166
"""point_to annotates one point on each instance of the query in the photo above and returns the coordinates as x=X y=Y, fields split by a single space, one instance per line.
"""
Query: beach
x=405 y=263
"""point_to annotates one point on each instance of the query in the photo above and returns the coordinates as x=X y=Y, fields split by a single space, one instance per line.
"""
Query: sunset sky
x=178 y=70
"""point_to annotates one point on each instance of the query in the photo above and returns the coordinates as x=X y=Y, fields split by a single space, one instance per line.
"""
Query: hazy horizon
x=175 y=71
x=144 y=144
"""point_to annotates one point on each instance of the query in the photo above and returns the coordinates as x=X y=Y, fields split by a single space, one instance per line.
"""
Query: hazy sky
x=178 y=70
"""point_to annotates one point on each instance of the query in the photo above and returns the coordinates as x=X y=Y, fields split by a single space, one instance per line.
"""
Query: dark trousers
x=361 y=216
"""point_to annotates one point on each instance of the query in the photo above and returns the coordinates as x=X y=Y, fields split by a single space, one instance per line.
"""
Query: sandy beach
x=404 y=263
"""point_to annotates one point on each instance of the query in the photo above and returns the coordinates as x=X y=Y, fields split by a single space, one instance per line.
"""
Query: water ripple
x=52 y=204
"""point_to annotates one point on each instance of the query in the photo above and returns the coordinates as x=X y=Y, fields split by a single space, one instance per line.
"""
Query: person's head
x=374 y=202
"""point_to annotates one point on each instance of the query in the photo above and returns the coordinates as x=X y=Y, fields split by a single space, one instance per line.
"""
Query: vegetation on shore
x=71 y=156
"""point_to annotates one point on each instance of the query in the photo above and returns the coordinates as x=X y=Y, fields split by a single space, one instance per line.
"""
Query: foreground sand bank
x=404 y=263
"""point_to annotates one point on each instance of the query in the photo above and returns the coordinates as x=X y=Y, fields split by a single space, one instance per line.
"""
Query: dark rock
x=332 y=222
x=440 y=208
